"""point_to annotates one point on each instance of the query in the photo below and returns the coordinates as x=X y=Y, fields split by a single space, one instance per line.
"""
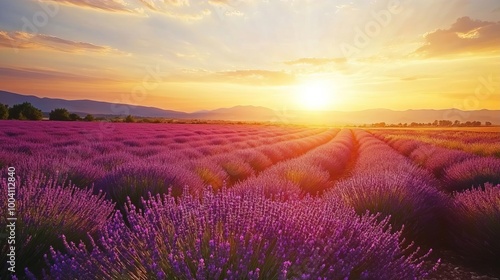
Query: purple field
x=104 y=200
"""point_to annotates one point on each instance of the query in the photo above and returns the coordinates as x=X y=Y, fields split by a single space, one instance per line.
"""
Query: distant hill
x=256 y=113
x=87 y=106
x=238 y=113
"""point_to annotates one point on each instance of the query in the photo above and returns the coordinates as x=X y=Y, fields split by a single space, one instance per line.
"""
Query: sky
x=192 y=55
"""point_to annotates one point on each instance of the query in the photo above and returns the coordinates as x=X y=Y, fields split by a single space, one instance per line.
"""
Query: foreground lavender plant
x=271 y=185
x=407 y=199
x=226 y=236
x=45 y=212
x=476 y=223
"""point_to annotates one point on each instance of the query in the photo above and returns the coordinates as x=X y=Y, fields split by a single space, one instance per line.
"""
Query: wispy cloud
x=23 y=40
x=219 y=2
x=178 y=9
x=161 y=5
x=262 y=77
x=411 y=78
x=245 y=77
x=189 y=17
x=345 y=8
x=417 y=77
x=137 y=7
x=32 y=74
x=315 y=61
x=227 y=8
x=103 y=5
x=464 y=36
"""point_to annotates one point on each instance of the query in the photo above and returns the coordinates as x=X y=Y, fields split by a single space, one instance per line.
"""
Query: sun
x=315 y=95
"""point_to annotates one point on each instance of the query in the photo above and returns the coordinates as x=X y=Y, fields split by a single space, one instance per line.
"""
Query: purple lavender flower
x=44 y=212
x=227 y=236
x=472 y=173
x=475 y=223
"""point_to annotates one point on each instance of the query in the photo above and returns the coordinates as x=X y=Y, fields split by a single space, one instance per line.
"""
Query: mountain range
x=255 y=113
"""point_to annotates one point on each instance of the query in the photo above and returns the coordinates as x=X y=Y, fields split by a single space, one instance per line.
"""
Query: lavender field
x=169 y=201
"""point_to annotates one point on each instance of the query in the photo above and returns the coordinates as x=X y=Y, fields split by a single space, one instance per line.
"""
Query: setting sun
x=316 y=95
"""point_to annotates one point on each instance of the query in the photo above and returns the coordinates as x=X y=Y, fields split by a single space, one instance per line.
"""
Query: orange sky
x=297 y=54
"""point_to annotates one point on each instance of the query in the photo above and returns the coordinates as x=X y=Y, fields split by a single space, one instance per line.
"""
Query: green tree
x=59 y=114
x=74 y=117
x=4 y=112
x=89 y=118
x=25 y=111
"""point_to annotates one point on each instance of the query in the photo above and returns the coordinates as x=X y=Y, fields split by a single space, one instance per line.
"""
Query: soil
x=454 y=267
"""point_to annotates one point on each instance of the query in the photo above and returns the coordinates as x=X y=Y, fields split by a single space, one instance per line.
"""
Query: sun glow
x=315 y=95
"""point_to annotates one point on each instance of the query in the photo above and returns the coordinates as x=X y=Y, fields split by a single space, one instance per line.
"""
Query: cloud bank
x=464 y=36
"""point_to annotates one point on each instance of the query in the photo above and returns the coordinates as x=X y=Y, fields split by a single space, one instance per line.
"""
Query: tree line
x=436 y=123
x=26 y=111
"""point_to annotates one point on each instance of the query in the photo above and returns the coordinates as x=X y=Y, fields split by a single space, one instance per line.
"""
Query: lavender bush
x=136 y=181
x=406 y=199
x=210 y=173
x=257 y=160
x=223 y=236
x=310 y=178
x=45 y=211
x=272 y=186
x=476 y=223
x=236 y=168
x=472 y=173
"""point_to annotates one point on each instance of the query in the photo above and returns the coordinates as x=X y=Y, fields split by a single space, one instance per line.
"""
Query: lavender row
x=310 y=173
x=226 y=236
x=481 y=143
x=136 y=180
x=457 y=170
x=385 y=182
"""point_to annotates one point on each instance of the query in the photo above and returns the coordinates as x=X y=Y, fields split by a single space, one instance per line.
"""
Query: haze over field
x=296 y=55
x=257 y=113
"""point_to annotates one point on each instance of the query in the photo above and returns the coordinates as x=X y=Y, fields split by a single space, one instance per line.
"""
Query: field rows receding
x=457 y=170
x=215 y=170
x=312 y=171
x=84 y=156
x=283 y=202
x=480 y=143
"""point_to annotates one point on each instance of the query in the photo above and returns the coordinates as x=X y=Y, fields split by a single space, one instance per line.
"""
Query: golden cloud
x=103 y=5
x=261 y=77
x=24 y=40
x=464 y=36
x=315 y=61
x=176 y=9
x=32 y=74
x=246 y=77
